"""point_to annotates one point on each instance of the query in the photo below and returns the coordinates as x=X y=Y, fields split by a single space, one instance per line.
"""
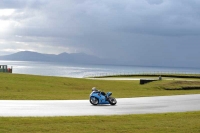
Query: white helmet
x=94 y=89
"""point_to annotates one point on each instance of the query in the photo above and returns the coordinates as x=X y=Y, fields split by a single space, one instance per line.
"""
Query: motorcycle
x=99 y=97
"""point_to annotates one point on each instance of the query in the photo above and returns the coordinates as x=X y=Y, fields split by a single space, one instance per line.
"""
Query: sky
x=136 y=32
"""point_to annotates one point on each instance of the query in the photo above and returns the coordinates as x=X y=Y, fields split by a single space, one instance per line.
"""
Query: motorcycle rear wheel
x=94 y=100
x=112 y=100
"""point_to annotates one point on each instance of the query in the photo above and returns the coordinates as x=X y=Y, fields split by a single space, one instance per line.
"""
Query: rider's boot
x=106 y=97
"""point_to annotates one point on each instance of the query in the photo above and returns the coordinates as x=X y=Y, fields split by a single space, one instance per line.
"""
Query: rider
x=95 y=89
x=98 y=91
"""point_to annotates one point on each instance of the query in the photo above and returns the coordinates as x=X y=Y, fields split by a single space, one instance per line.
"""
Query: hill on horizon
x=62 y=57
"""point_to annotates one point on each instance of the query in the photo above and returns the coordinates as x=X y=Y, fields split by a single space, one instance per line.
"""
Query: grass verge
x=30 y=87
x=188 y=122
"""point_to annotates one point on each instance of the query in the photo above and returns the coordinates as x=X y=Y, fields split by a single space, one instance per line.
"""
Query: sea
x=81 y=71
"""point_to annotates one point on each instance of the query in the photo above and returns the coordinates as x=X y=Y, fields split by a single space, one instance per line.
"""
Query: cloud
x=155 y=1
x=20 y=4
x=140 y=32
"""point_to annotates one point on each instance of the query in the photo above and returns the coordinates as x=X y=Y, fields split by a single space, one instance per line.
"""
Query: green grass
x=181 y=85
x=188 y=122
x=30 y=87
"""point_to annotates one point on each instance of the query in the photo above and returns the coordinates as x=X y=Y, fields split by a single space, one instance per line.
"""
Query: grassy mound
x=182 y=85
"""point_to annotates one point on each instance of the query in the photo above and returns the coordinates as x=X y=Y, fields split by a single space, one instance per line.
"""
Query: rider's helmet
x=94 y=89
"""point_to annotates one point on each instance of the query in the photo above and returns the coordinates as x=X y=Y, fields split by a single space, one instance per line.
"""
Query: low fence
x=141 y=74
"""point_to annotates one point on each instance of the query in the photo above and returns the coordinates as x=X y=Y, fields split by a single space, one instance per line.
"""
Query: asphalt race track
x=141 y=105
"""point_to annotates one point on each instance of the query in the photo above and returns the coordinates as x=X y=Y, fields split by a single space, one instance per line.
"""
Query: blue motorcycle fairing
x=101 y=98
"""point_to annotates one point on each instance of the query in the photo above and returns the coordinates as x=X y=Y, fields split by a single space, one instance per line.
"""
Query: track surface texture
x=140 y=105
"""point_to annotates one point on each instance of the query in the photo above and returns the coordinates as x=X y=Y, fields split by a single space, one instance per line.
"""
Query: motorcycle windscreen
x=109 y=93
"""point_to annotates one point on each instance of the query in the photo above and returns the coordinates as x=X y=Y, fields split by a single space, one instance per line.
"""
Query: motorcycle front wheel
x=94 y=100
x=112 y=100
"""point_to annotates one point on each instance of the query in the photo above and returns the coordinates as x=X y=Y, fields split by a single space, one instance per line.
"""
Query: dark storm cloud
x=80 y=17
x=147 y=32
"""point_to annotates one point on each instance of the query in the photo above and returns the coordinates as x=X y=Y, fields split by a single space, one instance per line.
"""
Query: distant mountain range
x=63 y=57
